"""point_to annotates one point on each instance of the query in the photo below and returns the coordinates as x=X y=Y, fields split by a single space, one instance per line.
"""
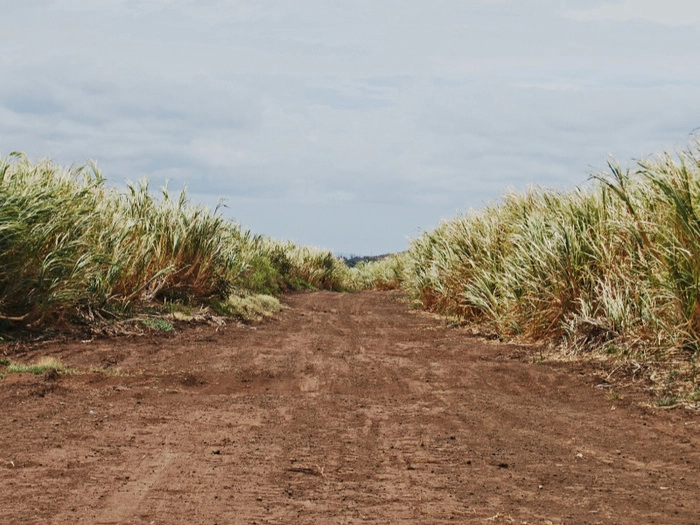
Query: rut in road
x=348 y=408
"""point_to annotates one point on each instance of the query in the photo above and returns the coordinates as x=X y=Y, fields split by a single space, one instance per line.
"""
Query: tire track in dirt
x=345 y=409
x=127 y=501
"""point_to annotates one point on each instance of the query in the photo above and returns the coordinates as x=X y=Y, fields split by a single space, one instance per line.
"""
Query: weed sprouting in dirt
x=45 y=364
x=667 y=401
x=614 y=394
x=162 y=325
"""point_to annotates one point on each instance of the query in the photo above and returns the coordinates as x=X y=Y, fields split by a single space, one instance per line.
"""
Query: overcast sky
x=348 y=124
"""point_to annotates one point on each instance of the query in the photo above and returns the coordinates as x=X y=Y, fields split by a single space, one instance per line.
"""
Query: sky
x=352 y=125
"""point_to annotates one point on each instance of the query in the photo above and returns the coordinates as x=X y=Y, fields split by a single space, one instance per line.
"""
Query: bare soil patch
x=344 y=409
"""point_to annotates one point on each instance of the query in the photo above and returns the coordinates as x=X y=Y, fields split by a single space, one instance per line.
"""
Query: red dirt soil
x=344 y=409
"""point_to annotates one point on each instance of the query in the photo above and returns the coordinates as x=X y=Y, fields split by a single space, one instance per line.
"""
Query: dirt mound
x=344 y=409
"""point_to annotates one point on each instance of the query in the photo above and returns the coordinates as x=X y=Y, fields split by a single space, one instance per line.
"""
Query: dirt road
x=345 y=409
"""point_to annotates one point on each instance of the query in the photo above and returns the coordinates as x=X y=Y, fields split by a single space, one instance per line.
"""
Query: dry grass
x=45 y=364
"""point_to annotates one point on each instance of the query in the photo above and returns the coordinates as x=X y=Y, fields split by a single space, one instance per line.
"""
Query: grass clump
x=249 y=307
x=43 y=365
x=159 y=324
x=667 y=401
x=694 y=396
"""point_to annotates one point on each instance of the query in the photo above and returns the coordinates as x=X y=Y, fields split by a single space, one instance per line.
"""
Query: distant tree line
x=354 y=260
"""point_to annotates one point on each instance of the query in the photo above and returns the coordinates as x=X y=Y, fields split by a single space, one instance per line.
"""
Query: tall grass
x=277 y=266
x=70 y=243
x=381 y=274
x=616 y=264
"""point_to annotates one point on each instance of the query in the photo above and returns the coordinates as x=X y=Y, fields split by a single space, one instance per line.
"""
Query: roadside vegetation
x=614 y=266
x=383 y=273
x=74 y=249
x=610 y=270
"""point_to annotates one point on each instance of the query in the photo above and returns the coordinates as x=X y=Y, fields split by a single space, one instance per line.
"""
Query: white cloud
x=668 y=12
x=214 y=153
x=329 y=109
